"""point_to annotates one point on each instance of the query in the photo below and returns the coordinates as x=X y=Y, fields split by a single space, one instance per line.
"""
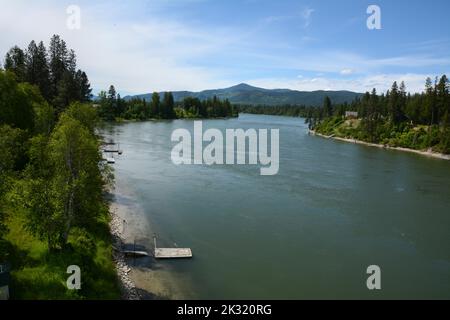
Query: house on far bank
x=4 y=282
x=351 y=115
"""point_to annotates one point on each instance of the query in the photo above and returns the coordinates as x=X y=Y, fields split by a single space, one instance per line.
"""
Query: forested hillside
x=52 y=180
x=396 y=118
x=245 y=94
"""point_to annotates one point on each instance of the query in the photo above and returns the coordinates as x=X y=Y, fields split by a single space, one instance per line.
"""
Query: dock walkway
x=171 y=253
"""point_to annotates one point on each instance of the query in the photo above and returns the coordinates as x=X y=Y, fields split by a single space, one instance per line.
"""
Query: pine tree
x=15 y=62
x=327 y=107
x=85 y=88
x=228 y=108
x=111 y=101
x=31 y=63
x=58 y=62
x=168 y=106
x=66 y=92
x=395 y=104
x=402 y=97
x=119 y=106
x=71 y=62
x=43 y=71
x=112 y=93
x=156 y=105
x=37 y=70
x=442 y=92
x=372 y=116
x=429 y=102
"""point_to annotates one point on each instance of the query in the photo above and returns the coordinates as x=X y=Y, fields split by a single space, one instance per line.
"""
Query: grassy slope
x=40 y=274
x=417 y=137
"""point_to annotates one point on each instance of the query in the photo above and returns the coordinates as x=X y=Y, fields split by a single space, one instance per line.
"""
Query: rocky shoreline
x=427 y=153
x=128 y=288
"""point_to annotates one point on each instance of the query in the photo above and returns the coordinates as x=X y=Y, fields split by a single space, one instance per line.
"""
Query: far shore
x=427 y=153
x=118 y=121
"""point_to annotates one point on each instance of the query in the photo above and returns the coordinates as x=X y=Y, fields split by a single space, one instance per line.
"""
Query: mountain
x=247 y=94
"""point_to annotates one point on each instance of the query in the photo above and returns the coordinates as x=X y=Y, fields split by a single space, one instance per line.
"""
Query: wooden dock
x=114 y=149
x=171 y=253
x=110 y=160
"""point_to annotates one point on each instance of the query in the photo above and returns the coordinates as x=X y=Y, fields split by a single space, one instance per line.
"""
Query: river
x=310 y=231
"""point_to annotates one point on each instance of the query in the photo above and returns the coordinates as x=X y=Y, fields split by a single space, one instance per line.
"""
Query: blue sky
x=142 y=46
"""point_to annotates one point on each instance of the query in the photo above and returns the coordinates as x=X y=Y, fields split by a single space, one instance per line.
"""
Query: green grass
x=40 y=274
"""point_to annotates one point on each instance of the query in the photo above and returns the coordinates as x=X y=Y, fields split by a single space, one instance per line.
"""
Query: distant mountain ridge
x=247 y=94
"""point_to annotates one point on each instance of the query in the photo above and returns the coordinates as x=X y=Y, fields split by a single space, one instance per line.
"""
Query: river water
x=311 y=231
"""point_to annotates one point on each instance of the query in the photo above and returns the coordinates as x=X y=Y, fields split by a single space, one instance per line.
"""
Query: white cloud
x=381 y=82
x=346 y=72
x=305 y=15
x=134 y=56
x=331 y=61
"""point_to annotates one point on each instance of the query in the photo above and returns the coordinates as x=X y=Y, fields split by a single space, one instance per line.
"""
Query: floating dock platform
x=171 y=253
x=114 y=149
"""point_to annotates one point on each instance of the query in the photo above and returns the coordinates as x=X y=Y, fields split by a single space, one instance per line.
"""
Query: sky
x=169 y=45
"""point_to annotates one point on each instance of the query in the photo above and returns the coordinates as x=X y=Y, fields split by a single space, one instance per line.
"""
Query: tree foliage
x=53 y=71
x=396 y=118
x=64 y=167
x=51 y=176
x=11 y=158
x=111 y=106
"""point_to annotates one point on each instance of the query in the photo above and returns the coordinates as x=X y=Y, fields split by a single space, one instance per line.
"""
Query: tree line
x=54 y=71
x=395 y=118
x=111 y=106
x=288 y=110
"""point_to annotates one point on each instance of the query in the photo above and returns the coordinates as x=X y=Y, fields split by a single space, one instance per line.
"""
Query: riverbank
x=127 y=286
x=141 y=278
x=125 y=121
x=427 y=153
